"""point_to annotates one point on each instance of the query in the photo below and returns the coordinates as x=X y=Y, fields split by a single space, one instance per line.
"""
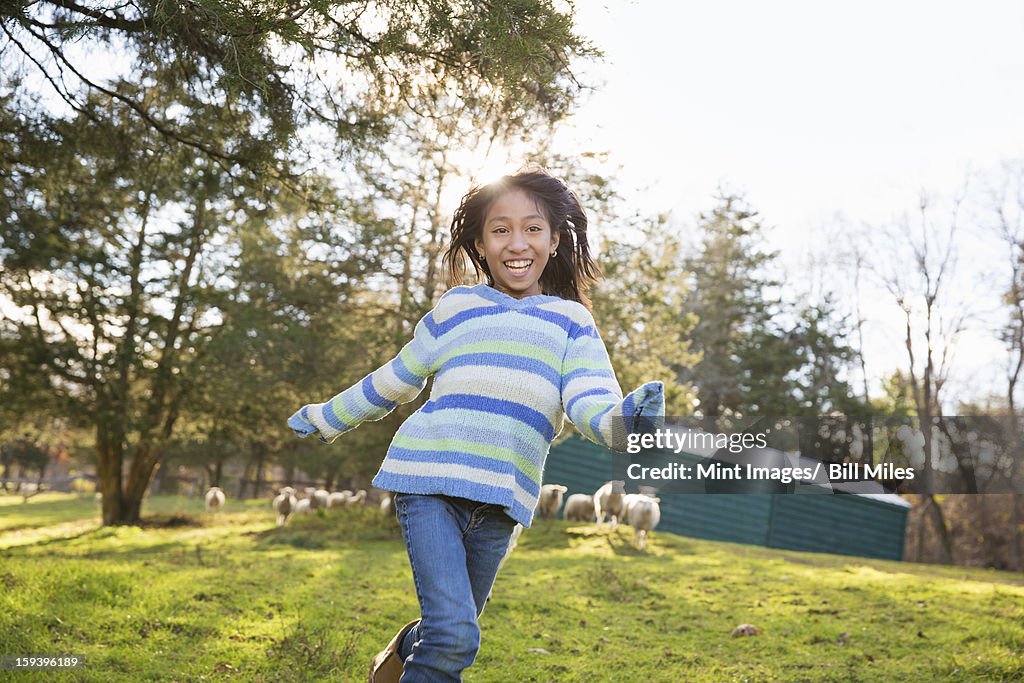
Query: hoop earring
x=481 y=257
x=554 y=254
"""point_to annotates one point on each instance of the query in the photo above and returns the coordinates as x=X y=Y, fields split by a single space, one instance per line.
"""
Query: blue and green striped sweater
x=506 y=371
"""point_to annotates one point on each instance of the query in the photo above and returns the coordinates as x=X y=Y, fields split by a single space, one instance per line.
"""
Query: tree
x=121 y=263
x=27 y=455
x=1008 y=205
x=728 y=298
x=918 y=277
x=760 y=355
x=637 y=305
x=119 y=207
x=343 y=66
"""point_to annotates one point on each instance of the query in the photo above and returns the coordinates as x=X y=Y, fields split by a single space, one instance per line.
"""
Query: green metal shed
x=847 y=524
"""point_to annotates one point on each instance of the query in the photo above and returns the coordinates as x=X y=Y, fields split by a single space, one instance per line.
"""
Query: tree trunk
x=158 y=481
x=986 y=531
x=42 y=476
x=257 y=485
x=108 y=474
x=145 y=462
x=938 y=520
x=919 y=528
x=244 y=484
x=1017 y=519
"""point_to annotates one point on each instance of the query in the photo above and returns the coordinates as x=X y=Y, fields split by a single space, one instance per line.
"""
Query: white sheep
x=628 y=501
x=385 y=505
x=284 y=504
x=338 y=499
x=302 y=507
x=608 y=501
x=550 y=500
x=214 y=499
x=318 y=501
x=358 y=498
x=644 y=516
x=579 y=508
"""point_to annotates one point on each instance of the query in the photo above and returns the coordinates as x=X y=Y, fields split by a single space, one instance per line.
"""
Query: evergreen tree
x=728 y=299
x=760 y=355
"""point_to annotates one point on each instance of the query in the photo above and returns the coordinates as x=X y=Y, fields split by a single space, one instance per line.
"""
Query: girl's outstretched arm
x=399 y=381
x=591 y=396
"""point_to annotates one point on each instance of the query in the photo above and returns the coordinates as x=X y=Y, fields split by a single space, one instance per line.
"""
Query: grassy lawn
x=229 y=596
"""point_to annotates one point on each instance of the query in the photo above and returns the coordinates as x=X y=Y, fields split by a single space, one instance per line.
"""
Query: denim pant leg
x=486 y=545
x=454 y=547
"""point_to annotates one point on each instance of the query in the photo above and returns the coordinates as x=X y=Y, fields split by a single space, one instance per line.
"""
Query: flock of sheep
x=286 y=503
x=639 y=510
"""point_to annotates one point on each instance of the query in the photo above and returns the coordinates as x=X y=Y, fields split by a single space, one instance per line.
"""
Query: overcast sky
x=812 y=110
x=809 y=107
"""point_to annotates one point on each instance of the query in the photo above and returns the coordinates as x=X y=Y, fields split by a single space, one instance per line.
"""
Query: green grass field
x=230 y=597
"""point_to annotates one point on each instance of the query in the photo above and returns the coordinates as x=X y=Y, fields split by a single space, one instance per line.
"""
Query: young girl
x=510 y=358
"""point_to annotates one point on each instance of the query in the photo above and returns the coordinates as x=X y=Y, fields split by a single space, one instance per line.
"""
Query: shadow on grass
x=559 y=535
x=170 y=521
x=52 y=541
x=330 y=528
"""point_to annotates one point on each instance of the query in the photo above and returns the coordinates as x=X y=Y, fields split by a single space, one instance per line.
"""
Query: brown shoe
x=387 y=666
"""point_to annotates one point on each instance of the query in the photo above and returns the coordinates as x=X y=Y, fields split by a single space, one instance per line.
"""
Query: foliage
x=344 y=67
x=759 y=355
x=171 y=237
x=637 y=305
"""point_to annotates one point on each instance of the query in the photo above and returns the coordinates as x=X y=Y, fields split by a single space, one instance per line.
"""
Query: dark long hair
x=568 y=274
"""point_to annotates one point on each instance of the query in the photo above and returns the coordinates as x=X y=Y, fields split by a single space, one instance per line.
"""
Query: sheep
x=550 y=500
x=385 y=505
x=579 y=508
x=318 y=501
x=608 y=501
x=338 y=499
x=284 y=504
x=628 y=501
x=214 y=499
x=303 y=507
x=644 y=516
x=358 y=498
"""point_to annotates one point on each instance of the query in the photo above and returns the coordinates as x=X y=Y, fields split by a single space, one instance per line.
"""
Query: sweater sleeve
x=591 y=396
x=400 y=380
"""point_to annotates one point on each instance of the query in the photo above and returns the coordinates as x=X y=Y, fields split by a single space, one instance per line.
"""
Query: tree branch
x=107 y=21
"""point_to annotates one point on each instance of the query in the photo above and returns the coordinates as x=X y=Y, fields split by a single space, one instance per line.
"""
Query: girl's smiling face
x=517 y=241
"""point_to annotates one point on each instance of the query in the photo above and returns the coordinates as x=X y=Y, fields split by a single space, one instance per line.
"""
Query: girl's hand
x=650 y=410
x=300 y=423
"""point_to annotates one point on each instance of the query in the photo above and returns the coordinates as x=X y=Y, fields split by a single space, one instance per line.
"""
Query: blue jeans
x=455 y=546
